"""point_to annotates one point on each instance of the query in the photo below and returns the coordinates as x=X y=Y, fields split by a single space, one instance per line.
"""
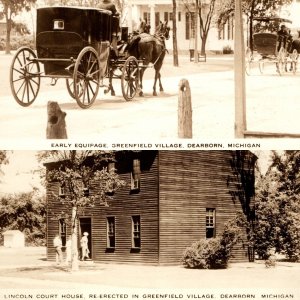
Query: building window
x=136 y=175
x=62 y=231
x=170 y=16
x=136 y=231
x=111 y=234
x=190 y=25
x=62 y=191
x=146 y=17
x=157 y=18
x=210 y=223
x=86 y=192
x=166 y=16
x=179 y=16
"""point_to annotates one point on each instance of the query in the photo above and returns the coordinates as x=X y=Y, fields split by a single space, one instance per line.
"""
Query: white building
x=154 y=11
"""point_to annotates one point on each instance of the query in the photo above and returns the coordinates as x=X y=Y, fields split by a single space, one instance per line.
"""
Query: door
x=85 y=225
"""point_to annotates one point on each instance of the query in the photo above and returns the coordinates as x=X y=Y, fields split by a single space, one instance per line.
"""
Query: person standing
x=57 y=243
x=84 y=246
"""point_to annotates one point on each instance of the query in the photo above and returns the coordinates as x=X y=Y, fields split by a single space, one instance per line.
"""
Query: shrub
x=203 y=254
x=227 y=50
x=214 y=253
x=26 y=40
x=270 y=262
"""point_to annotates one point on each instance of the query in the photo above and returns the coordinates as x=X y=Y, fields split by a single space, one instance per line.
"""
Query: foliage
x=257 y=8
x=227 y=50
x=10 y=9
x=3 y=157
x=215 y=253
x=278 y=207
x=25 y=212
x=18 y=42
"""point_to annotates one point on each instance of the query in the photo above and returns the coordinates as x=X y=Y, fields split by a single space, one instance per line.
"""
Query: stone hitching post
x=56 y=125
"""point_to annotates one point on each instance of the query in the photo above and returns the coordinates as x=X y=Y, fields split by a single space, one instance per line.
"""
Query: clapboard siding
x=176 y=188
x=190 y=182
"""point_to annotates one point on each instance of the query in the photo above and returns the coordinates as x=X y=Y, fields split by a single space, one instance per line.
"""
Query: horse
x=150 y=49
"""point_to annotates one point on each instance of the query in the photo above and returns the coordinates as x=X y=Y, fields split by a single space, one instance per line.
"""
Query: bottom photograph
x=198 y=224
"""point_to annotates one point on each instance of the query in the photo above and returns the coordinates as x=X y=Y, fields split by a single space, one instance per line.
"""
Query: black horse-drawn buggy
x=74 y=43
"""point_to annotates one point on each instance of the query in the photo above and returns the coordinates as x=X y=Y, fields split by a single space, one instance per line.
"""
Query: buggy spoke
x=24 y=76
x=87 y=72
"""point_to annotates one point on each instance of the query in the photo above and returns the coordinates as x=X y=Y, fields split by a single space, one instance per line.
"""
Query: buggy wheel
x=130 y=78
x=294 y=58
x=261 y=65
x=248 y=61
x=86 y=77
x=70 y=87
x=25 y=76
x=281 y=61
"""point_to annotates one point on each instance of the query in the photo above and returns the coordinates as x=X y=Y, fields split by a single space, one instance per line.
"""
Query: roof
x=272 y=19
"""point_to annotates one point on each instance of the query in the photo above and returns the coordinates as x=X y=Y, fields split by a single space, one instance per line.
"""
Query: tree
x=11 y=8
x=175 y=49
x=77 y=171
x=25 y=212
x=3 y=158
x=204 y=12
x=278 y=207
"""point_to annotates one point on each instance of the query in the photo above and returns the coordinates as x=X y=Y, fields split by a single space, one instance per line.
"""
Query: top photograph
x=145 y=69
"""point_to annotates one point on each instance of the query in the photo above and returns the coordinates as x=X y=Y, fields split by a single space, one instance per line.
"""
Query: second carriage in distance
x=272 y=48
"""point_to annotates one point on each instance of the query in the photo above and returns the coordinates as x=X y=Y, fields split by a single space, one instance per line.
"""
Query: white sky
x=18 y=175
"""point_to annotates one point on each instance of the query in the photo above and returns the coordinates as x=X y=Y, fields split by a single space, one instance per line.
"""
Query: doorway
x=85 y=225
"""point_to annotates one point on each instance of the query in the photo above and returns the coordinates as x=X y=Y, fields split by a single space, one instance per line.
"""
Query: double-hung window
x=136 y=232
x=136 y=175
x=210 y=222
x=62 y=231
x=111 y=232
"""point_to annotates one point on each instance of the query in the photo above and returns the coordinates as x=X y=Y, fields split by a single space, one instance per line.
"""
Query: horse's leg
x=141 y=93
x=110 y=85
x=159 y=81
x=155 y=80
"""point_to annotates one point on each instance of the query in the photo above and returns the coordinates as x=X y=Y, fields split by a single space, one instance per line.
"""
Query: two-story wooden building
x=173 y=198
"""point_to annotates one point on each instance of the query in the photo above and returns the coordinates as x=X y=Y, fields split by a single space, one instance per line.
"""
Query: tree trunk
x=175 y=50
x=203 y=44
x=196 y=58
x=8 y=31
x=74 y=259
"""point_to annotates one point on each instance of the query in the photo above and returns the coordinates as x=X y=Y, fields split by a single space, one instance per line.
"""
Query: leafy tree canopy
x=278 y=207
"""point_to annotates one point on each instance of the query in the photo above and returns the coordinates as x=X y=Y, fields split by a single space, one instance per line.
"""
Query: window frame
x=110 y=236
x=62 y=231
x=210 y=222
x=136 y=241
x=135 y=175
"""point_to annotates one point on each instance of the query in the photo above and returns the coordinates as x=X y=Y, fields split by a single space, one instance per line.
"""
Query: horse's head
x=163 y=30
